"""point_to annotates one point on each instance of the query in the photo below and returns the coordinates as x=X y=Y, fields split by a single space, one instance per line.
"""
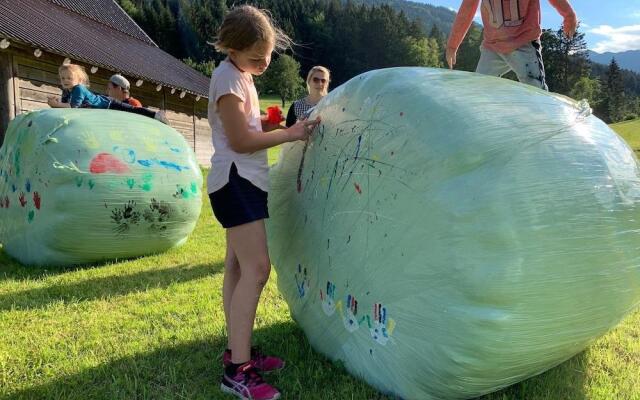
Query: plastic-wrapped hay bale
x=78 y=186
x=448 y=234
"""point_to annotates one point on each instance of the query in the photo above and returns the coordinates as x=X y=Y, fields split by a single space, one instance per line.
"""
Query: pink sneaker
x=261 y=362
x=247 y=384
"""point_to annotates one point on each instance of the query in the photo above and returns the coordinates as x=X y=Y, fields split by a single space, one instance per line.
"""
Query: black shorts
x=239 y=201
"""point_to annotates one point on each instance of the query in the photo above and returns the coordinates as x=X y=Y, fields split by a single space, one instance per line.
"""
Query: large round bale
x=446 y=234
x=80 y=186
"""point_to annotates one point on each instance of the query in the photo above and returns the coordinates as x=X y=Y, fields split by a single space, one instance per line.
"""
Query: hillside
x=627 y=59
x=427 y=14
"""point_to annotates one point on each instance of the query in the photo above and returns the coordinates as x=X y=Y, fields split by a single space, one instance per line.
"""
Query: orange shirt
x=508 y=24
x=132 y=102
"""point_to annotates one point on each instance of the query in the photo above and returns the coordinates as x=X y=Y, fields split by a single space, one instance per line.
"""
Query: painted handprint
x=157 y=215
x=125 y=217
x=302 y=281
x=36 y=199
x=381 y=328
x=328 y=299
x=350 y=317
x=23 y=200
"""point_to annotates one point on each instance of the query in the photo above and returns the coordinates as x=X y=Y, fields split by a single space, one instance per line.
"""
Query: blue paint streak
x=358 y=146
x=165 y=164
x=170 y=165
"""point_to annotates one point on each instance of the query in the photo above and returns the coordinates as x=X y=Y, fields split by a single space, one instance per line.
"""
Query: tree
x=435 y=33
x=423 y=52
x=615 y=99
x=441 y=40
x=565 y=59
x=469 y=51
x=589 y=89
x=205 y=67
x=282 y=78
x=130 y=8
x=205 y=17
x=347 y=36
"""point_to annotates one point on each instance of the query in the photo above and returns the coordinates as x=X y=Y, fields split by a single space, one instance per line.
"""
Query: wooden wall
x=203 y=144
x=27 y=81
x=7 y=109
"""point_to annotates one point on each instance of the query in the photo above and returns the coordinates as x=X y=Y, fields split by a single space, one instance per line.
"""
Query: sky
x=613 y=27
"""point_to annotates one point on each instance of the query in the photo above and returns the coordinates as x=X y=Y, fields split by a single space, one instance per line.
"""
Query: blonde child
x=76 y=94
x=238 y=185
x=511 y=36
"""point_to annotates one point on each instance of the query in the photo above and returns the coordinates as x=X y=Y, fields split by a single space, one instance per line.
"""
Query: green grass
x=267 y=101
x=148 y=328
x=153 y=327
x=630 y=131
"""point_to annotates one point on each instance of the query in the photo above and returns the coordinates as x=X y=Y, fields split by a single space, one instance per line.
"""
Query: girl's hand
x=53 y=101
x=450 y=55
x=302 y=129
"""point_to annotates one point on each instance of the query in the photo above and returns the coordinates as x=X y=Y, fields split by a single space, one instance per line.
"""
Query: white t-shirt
x=227 y=79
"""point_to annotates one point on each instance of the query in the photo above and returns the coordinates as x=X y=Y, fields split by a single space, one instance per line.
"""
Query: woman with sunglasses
x=318 y=80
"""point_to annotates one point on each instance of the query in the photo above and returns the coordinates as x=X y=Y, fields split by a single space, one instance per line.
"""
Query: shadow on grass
x=193 y=370
x=96 y=288
x=566 y=381
x=10 y=268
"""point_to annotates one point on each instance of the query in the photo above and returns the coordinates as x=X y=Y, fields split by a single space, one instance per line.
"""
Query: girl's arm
x=460 y=27
x=570 y=20
x=243 y=140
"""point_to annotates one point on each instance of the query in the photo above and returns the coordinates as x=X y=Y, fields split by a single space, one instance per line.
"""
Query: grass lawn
x=270 y=100
x=267 y=101
x=153 y=328
x=630 y=131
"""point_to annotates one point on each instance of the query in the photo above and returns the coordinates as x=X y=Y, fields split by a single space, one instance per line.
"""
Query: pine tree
x=441 y=40
x=615 y=99
x=205 y=17
x=469 y=51
x=566 y=59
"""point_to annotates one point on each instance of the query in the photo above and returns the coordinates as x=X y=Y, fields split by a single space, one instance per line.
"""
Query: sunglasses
x=316 y=80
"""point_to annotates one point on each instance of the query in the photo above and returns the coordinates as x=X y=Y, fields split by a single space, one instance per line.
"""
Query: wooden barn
x=37 y=36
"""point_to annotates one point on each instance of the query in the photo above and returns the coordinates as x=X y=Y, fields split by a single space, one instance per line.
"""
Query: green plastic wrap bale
x=80 y=186
x=447 y=234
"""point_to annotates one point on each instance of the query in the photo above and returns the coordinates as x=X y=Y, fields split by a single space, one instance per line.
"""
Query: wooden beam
x=195 y=132
x=7 y=93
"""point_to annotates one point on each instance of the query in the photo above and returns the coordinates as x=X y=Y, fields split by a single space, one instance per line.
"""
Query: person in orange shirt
x=511 y=38
x=118 y=88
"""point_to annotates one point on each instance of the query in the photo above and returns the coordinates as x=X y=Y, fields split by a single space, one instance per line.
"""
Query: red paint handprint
x=36 y=199
x=23 y=200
